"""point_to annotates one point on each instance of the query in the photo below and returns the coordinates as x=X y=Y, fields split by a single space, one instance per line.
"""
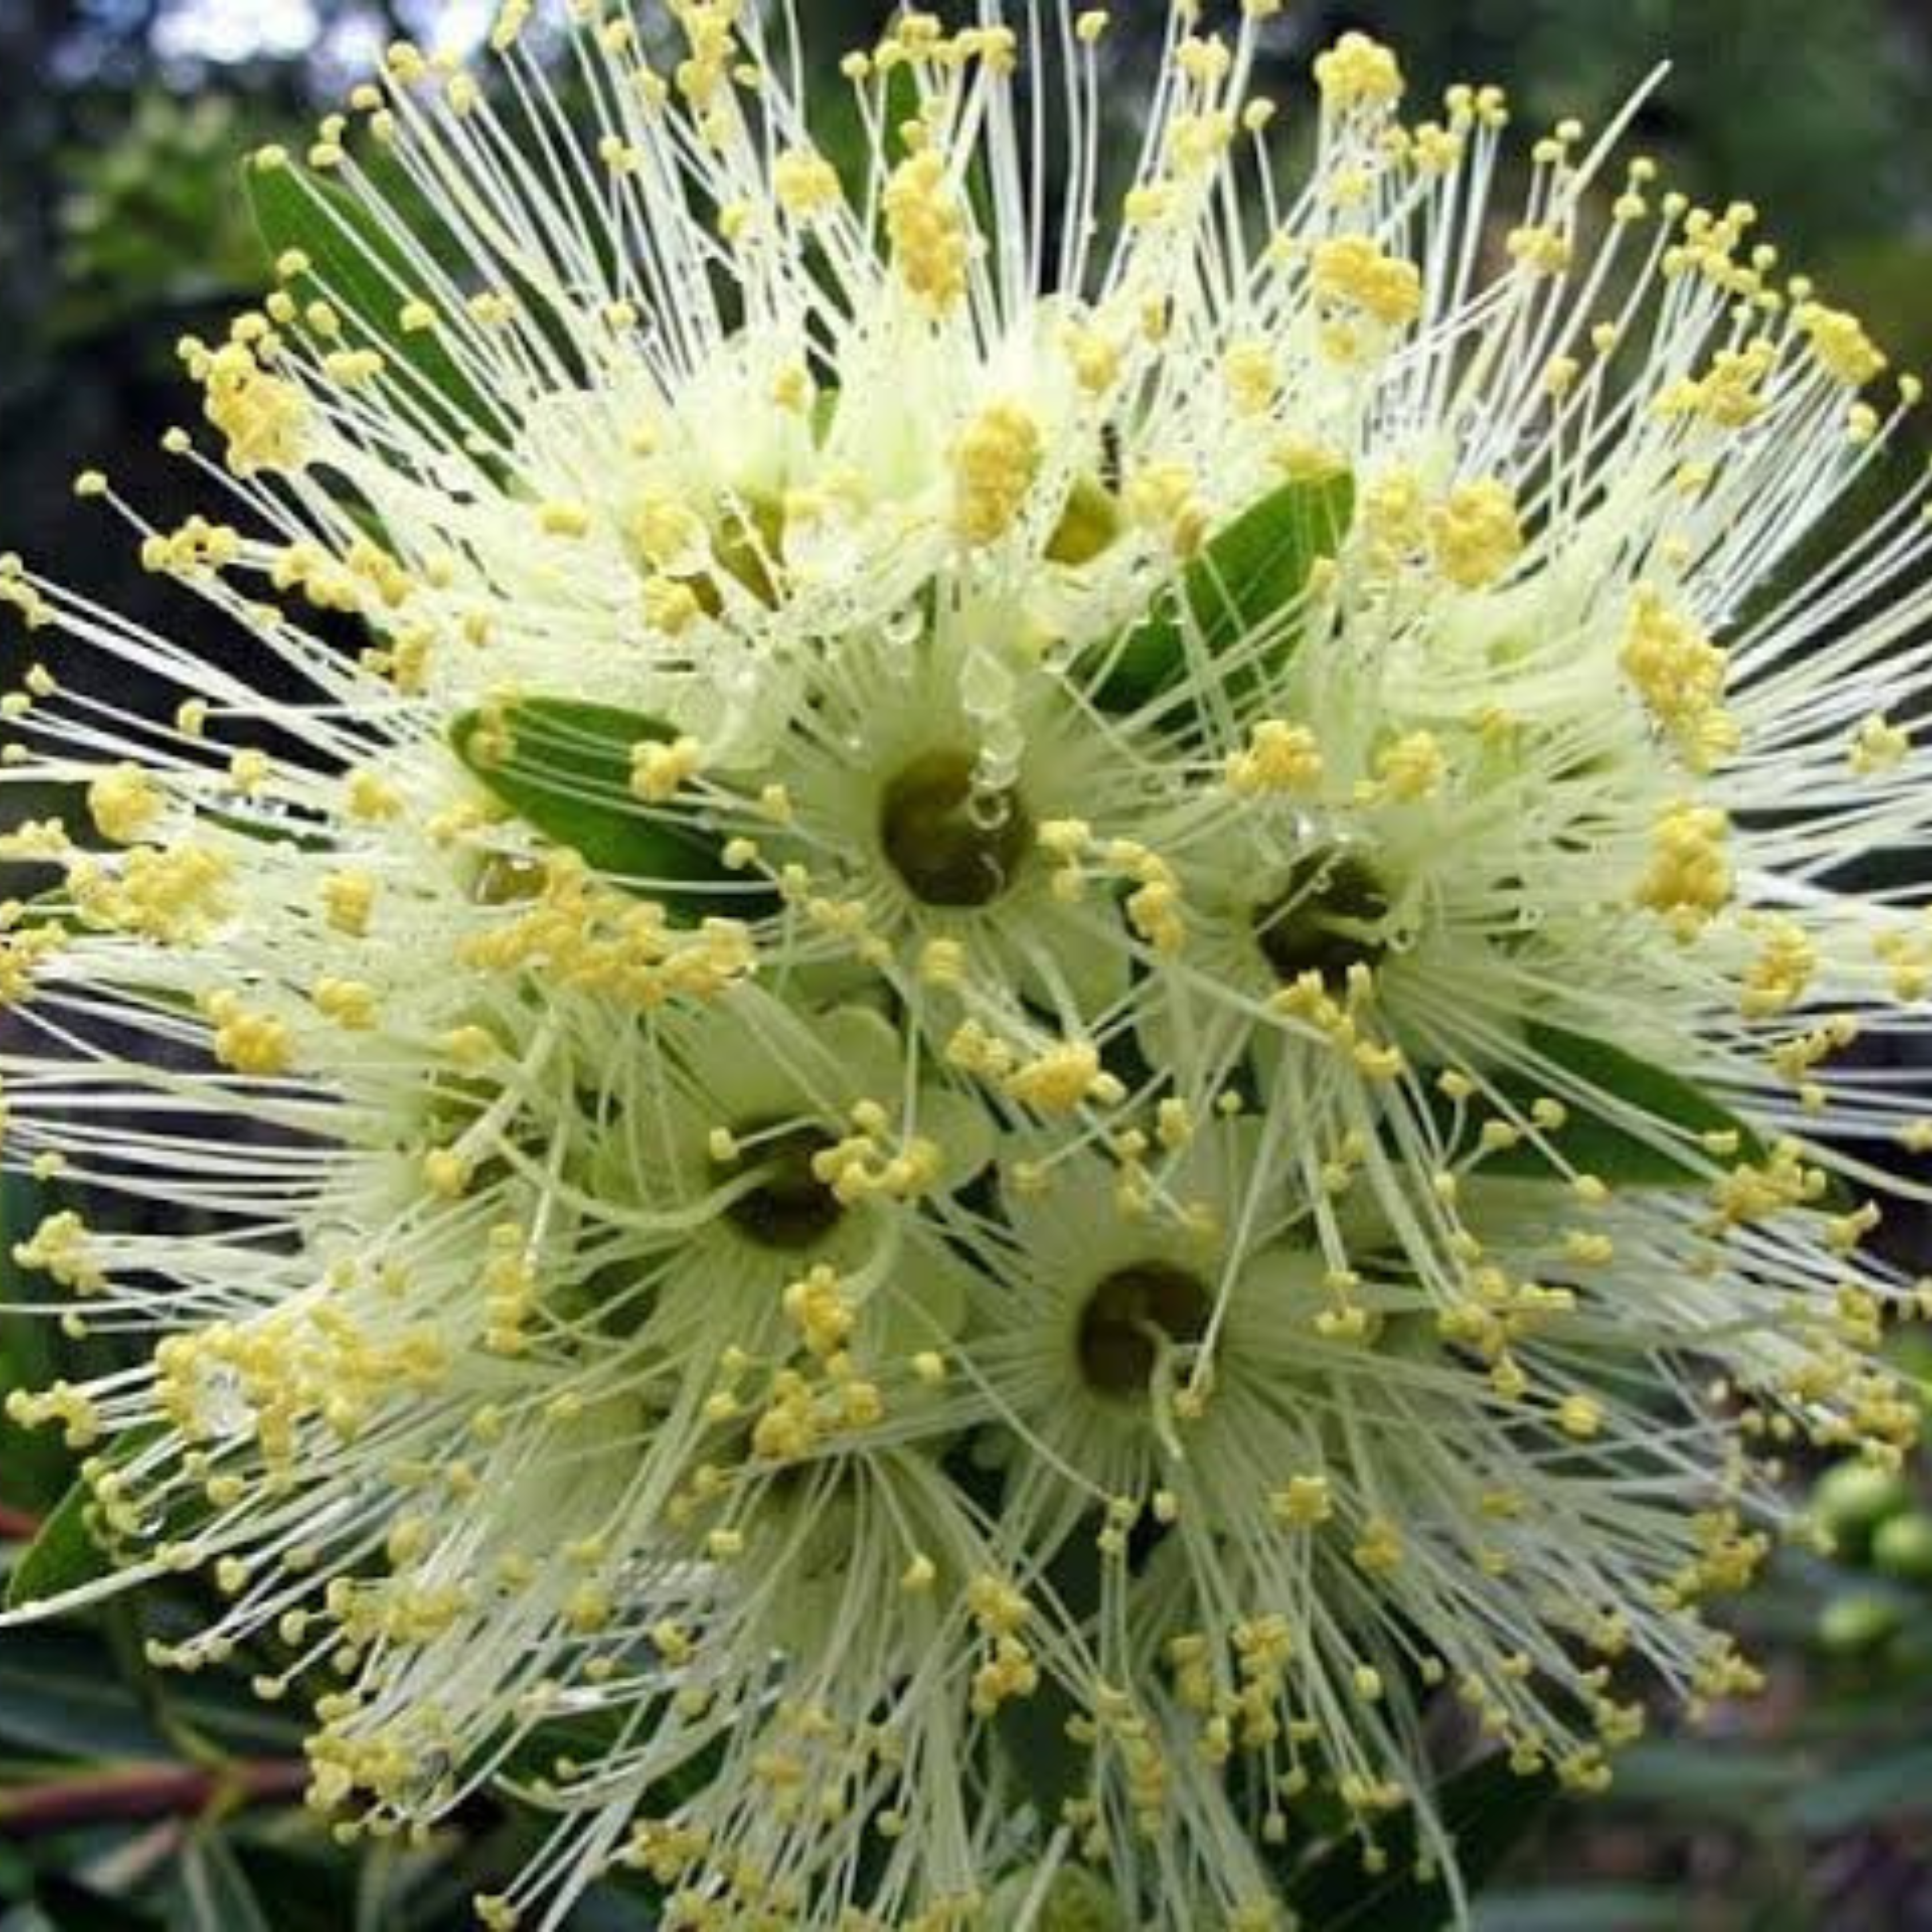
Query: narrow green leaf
x=63 y=1557
x=1246 y=577
x=215 y=1893
x=1701 y=1780
x=1487 y=1810
x=361 y=271
x=67 y=1554
x=35 y=1470
x=566 y=770
x=1595 y=1908
x=60 y=1698
x=1883 y=1787
x=1603 y=1141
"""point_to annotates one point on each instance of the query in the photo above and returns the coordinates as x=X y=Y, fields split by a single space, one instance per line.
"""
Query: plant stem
x=17 y=1526
x=140 y=1791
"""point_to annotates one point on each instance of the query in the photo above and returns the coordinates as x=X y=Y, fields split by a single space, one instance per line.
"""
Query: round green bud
x=1852 y=1626
x=1902 y=1547
x=1853 y=1498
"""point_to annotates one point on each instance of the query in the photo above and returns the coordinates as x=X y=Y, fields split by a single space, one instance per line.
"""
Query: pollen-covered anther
x=124 y=803
x=1730 y=395
x=1781 y=974
x=251 y=1043
x=1306 y=1502
x=996 y=462
x=805 y=184
x=1414 y=768
x=1838 y=340
x=930 y=247
x=1880 y=746
x=1690 y=880
x=1354 y=273
x=1478 y=534
x=265 y=419
x=1280 y=758
x=1681 y=675
x=62 y=1248
x=1064 y=1078
x=659 y=771
x=1358 y=72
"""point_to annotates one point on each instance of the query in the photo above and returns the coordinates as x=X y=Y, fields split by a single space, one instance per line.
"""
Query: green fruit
x=1903 y=1548
x=1852 y=1626
x=1853 y=1498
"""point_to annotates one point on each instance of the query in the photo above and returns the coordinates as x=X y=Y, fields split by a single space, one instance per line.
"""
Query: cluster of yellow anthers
x=964 y=1025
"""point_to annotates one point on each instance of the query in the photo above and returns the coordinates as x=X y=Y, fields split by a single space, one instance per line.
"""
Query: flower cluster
x=1004 y=991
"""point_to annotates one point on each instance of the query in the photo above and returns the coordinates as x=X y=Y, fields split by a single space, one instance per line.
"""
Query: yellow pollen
x=1681 y=675
x=124 y=804
x=927 y=231
x=1359 y=72
x=1353 y=272
x=995 y=463
x=1478 y=534
x=1280 y=757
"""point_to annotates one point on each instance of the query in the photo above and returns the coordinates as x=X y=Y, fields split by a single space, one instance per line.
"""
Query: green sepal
x=566 y=772
x=1246 y=576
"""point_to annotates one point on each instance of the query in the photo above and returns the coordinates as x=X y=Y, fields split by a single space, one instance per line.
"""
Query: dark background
x=121 y=227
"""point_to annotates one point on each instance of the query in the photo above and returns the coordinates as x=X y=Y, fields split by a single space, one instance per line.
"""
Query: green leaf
x=1696 y=1780
x=1487 y=1810
x=566 y=770
x=1602 y=1139
x=1246 y=577
x=1585 y=1908
x=63 y=1557
x=1883 y=1787
x=215 y=1893
x=60 y=1697
x=35 y=1469
x=365 y=274
x=67 y=1554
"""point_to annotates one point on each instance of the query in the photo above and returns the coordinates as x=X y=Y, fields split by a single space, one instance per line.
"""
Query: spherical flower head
x=1058 y=1002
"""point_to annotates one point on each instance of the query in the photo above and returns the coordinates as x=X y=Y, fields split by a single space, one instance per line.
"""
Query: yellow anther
x=995 y=463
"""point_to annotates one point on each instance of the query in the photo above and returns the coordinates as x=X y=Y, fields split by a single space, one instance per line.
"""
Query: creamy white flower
x=1059 y=981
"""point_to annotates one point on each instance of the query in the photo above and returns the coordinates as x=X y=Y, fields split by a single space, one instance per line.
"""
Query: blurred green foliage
x=129 y=1801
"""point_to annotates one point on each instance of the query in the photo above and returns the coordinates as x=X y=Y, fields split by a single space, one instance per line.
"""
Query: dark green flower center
x=952 y=842
x=790 y=1208
x=1333 y=914
x=1131 y=1318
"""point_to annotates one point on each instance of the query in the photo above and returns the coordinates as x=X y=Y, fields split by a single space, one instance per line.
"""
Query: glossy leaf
x=1246 y=577
x=63 y=1557
x=60 y=1697
x=363 y=273
x=35 y=1469
x=67 y=1554
x=567 y=771
x=1602 y=1141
